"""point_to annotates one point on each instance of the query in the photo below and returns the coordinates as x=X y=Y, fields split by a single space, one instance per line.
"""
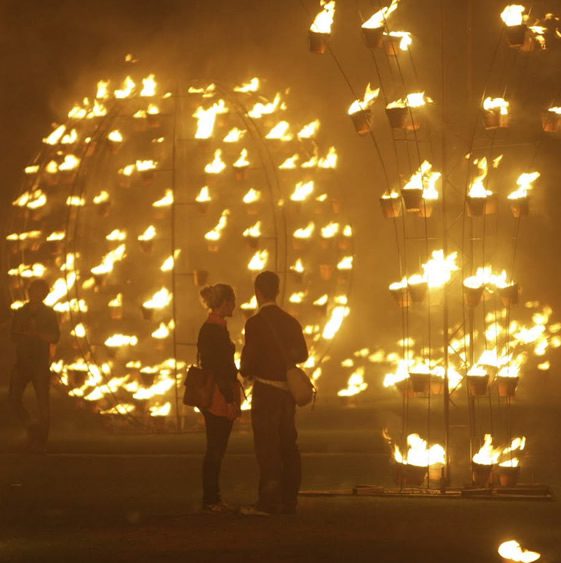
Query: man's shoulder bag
x=199 y=385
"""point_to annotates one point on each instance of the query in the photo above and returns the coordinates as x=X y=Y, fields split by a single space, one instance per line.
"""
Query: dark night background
x=53 y=52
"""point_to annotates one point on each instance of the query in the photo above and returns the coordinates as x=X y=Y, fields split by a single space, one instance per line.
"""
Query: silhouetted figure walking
x=273 y=408
x=216 y=354
x=34 y=330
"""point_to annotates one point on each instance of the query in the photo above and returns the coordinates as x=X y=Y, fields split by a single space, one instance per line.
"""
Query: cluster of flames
x=130 y=370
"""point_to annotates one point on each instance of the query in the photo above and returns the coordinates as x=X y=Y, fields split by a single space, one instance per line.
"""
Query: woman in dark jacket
x=216 y=354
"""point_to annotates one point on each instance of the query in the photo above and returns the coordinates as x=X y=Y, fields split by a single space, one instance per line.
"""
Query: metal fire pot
x=318 y=42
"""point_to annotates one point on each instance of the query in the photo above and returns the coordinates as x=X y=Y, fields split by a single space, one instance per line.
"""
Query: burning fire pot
x=478 y=206
x=520 y=207
x=473 y=295
x=478 y=384
x=200 y=277
x=319 y=42
x=391 y=206
x=481 y=475
x=402 y=118
x=409 y=475
x=506 y=476
x=551 y=121
x=519 y=36
x=506 y=386
x=509 y=294
x=373 y=37
x=494 y=119
x=362 y=121
x=420 y=382
x=412 y=198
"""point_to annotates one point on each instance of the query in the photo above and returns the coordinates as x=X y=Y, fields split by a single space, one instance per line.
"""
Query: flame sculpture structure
x=144 y=194
x=456 y=292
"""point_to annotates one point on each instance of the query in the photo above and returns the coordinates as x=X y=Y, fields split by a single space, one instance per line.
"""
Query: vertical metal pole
x=172 y=240
x=445 y=321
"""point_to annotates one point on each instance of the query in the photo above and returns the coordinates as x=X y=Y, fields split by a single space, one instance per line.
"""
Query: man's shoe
x=253 y=511
x=218 y=508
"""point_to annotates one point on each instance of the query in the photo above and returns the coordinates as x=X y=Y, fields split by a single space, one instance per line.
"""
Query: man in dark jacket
x=34 y=330
x=274 y=342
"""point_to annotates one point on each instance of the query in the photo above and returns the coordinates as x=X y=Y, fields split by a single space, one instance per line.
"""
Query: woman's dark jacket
x=216 y=353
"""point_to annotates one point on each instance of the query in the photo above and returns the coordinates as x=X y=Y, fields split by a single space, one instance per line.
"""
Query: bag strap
x=289 y=363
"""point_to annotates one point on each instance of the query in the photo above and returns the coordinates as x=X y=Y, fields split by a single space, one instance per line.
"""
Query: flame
x=203 y=195
x=309 y=131
x=31 y=169
x=345 y=263
x=491 y=104
x=216 y=233
x=234 y=135
x=305 y=232
x=517 y=445
x=260 y=108
x=418 y=454
x=280 y=131
x=148 y=234
x=368 y=99
x=513 y=15
x=330 y=230
x=162 y=298
x=321 y=301
x=217 y=165
x=391 y=195
x=102 y=90
x=116 y=234
x=302 y=190
x=290 y=162
x=206 y=119
x=252 y=196
x=163 y=331
x=242 y=160
x=71 y=162
x=555 y=109
x=404 y=36
x=511 y=550
x=145 y=165
x=126 y=89
x=207 y=91
x=424 y=178
x=335 y=321
x=251 y=86
x=75 y=201
x=117 y=301
x=324 y=20
x=149 y=86
x=101 y=197
x=56 y=135
x=36 y=270
x=413 y=100
x=487 y=454
x=56 y=235
x=169 y=263
x=118 y=340
x=108 y=261
x=79 y=331
x=165 y=201
x=297 y=297
x=254 y=231
x=477 y=187
x=355 y=384
x=378 y=19
x=31 y=200
x=525 y=184
x=160 y=410
x=70 y=138
x=438 y=270
x=298 y=266
x=115 y=136
x=250 y=305
x=27 y=235
x=330 y=159
x=258 y=261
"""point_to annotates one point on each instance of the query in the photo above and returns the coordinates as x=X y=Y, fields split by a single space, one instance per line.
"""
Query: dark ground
x=99 y=496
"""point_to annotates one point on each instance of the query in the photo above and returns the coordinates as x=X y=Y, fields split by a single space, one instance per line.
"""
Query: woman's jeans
x=218 y=429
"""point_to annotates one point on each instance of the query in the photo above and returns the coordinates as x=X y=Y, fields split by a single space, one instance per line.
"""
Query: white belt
x=278 y=384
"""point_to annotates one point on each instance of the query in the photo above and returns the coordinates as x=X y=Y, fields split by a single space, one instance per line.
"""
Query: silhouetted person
x=34 y=330
x=216 y=354
x=273 y=408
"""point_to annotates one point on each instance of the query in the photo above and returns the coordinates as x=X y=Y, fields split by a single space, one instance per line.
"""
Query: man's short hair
x=39 y=286
x=268 y=284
